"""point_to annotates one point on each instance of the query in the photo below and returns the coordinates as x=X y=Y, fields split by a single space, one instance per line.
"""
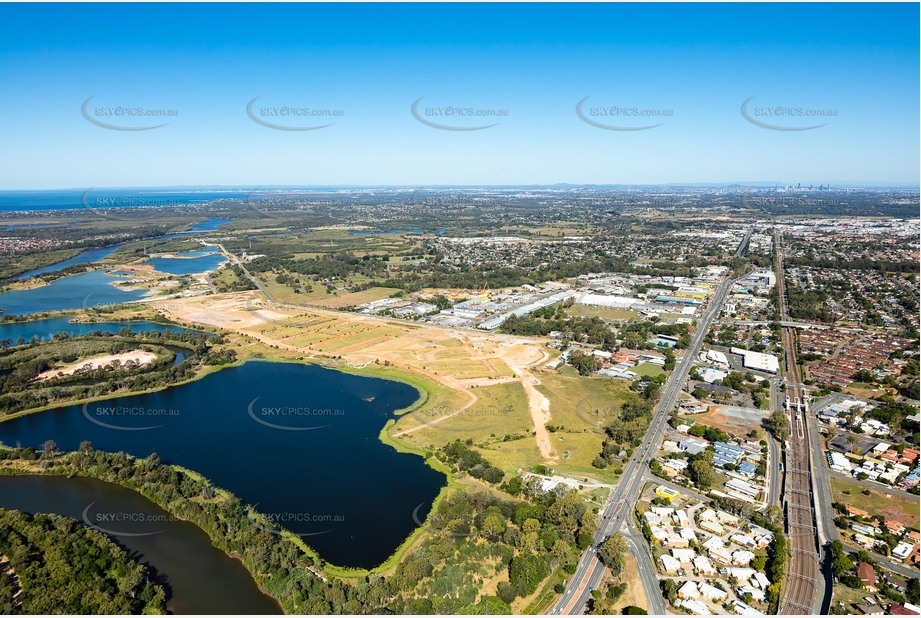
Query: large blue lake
x=77 y=291
x=96 y=288
x=298 y=441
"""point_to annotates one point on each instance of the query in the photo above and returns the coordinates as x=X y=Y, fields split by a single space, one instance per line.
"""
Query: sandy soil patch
x=731 y=419
x=233 y=311
x=635 y=594
x=139 y=357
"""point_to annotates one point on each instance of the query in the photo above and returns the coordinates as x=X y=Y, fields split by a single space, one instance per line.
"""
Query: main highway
x=617 y=509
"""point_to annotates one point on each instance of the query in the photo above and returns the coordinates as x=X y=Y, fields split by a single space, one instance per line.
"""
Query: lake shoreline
x=392 y=374
x=36 y=471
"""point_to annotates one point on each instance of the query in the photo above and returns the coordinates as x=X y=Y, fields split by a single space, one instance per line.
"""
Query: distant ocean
x=67 y=199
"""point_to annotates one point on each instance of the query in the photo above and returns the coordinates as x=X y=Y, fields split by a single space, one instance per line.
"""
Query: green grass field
x=875 y=502
x=500 y=409
x=581 y=407
x=605 y=313
x=648 y=370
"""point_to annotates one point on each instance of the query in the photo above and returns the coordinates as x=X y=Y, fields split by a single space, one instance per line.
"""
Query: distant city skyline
x=186 y=95
x=755 y=184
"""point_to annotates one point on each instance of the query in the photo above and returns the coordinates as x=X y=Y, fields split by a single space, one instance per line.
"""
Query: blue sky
x=857 y=64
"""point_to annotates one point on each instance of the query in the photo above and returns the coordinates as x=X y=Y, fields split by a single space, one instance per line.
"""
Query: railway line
x=801 y=585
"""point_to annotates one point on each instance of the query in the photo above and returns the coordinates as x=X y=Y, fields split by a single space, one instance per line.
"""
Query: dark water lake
x=48 y=328
x=299 y=442
x=199 y=578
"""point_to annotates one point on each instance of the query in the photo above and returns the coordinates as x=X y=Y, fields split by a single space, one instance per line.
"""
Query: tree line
x=529 y=533
x=60 y=566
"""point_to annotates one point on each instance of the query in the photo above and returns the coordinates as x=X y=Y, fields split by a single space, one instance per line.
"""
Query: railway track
x=802 y=580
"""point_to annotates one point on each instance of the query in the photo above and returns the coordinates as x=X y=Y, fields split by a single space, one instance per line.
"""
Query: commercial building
x=711 y=375
x=529 y=308
x=692 y=445
x=718 y=357
x=742 y=487
x=758 y=361
x=666 y=492
x=837 y=461
x=724 y=453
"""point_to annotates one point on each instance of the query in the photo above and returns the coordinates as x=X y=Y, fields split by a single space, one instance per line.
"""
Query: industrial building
x=553 y=299
x=678 y=300
x=613 y=302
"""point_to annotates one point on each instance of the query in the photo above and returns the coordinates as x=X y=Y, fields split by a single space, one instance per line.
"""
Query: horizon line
x=760 y=184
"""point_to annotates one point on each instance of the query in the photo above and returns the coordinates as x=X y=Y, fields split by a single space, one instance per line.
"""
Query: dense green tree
x=611 y=553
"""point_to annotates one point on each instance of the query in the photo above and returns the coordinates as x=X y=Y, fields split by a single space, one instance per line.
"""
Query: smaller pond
x=194 y=262
x=199 y=578
x=211 y=225
x=746 y=414
x=87 y=257
x=48 y=328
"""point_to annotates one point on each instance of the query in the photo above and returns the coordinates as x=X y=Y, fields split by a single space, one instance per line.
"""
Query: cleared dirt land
x=892 y=507
x=498 y=372
x=137 y=357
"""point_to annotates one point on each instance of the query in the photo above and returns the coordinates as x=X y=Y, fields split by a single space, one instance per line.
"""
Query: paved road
x=645 y=565
x=775 y=455
x=822 y=463
x=619 y=506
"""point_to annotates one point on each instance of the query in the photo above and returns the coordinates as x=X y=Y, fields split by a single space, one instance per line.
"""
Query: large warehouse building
x=758 y=361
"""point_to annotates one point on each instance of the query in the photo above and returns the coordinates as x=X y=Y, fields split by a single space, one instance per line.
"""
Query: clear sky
x=857 y=64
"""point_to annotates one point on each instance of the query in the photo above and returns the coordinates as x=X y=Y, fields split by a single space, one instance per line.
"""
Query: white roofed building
x=758 y=361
